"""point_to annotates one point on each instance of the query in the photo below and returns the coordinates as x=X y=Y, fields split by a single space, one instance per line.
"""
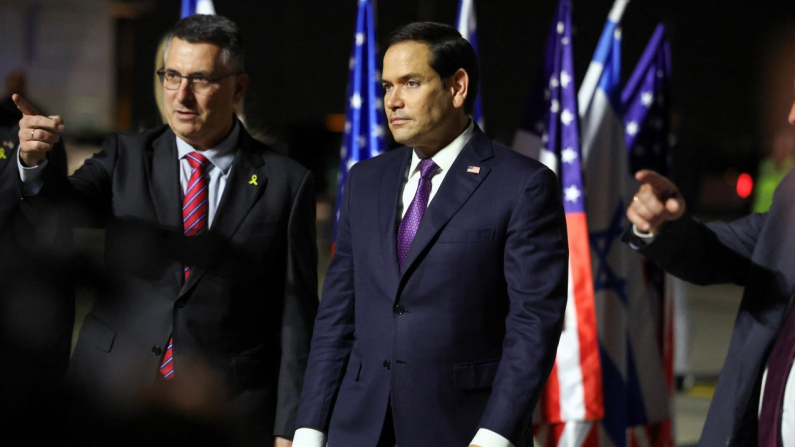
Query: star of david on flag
x=635 y=391
x=363 y=136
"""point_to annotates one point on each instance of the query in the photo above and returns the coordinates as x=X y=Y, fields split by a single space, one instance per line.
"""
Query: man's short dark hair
x=449 y=52
x=214 y=29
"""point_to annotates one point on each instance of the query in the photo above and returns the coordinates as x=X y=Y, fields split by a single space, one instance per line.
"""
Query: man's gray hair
x=214 y=29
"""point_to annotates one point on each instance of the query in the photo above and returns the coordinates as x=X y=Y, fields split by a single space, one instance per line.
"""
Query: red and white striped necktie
x=194 y=221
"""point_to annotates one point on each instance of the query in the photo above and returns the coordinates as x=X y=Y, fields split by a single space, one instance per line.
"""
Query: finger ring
x=635 y=198
x=31 y=134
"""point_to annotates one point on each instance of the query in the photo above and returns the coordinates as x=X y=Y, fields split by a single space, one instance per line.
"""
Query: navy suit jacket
x=466 y=336
x=755 y=252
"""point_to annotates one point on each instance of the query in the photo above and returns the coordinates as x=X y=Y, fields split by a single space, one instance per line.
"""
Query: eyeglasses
x=200 y=84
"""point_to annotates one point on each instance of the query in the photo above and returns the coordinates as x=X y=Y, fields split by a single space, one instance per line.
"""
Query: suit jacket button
x=399 y=309
x=386 y=365
x=156 y=350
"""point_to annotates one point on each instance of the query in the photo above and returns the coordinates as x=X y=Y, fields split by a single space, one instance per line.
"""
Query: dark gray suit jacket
x=757 y=252
x=241 y=323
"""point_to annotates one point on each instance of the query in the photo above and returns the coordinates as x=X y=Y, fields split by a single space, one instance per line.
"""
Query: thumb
x=24 y=106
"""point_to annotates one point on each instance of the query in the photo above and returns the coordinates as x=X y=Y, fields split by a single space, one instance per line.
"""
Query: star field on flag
x=363 y=136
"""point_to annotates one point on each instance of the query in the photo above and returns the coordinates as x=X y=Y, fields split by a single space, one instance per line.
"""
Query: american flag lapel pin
x=473 y=170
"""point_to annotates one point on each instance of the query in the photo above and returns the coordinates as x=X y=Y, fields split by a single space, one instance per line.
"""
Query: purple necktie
x=779 y=364
x=411 y=221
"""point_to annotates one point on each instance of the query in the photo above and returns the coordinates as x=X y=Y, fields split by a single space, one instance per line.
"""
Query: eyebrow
x=407 y=76
x=202 y=72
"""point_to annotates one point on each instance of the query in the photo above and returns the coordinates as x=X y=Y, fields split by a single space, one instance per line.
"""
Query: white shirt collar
x=447 y=155
x=222 y=155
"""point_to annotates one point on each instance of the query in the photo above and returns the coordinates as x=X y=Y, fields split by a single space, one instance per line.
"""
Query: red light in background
x=745 y=185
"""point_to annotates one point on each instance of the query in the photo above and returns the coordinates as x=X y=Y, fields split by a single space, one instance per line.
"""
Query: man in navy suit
x=755 y=252
x=443 y=304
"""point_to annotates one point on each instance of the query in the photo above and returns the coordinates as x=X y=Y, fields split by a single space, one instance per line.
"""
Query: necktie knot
x=427 y=168
x=197 y=160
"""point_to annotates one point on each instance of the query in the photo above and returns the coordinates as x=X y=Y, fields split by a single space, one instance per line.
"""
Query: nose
x=184 y=92
x=393 y=100
x=791 y=117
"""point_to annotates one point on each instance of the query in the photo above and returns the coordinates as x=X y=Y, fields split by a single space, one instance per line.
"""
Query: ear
x=459 y=87
x=241 y=84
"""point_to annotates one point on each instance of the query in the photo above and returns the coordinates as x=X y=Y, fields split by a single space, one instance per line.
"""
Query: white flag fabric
x=635 y=389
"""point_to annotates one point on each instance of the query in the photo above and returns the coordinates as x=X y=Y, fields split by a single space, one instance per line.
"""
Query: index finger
x=24 y=106
x=658 y=182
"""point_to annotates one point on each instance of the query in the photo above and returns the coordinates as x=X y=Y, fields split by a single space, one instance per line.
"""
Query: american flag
x=635 y=390
x=363 y=137
x=191 y=7
x=572 y=398
x=646 y=99
x=467 y=25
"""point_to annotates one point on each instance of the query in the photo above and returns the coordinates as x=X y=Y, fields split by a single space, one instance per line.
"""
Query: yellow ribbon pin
x=2 y=153
x=253 y=180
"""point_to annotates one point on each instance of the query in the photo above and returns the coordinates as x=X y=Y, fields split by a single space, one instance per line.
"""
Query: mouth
x=397 y=120
x=185 y=114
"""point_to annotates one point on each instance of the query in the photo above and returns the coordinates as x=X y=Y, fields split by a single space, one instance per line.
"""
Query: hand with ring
x=657 y=201
x=37 y=134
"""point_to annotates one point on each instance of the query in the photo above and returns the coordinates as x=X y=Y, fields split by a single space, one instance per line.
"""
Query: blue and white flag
x=467 y=25
x=191 y=7
x=364 y=114
x=635 y=390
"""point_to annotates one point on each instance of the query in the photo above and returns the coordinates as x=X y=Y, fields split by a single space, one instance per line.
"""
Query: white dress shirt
x=221 y=157
x=217 y=172
x=309 y=437
x=788 y=410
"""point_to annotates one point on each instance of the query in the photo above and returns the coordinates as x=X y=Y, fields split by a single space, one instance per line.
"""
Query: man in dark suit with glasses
x=210 y=258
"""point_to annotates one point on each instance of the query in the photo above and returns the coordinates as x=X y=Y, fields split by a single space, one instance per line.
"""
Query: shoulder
x=511 y=162
x=382 y=164
x=279 y=166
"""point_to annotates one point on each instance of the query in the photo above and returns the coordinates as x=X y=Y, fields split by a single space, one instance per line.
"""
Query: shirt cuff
x=487 y=438
x=31 y=176
x=309 y=437
x=640 y=239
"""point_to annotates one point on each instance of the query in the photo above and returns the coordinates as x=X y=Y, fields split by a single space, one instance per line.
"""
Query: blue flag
x=191 y=7
x=364 y=119
x=645 y=101
x=467 y=25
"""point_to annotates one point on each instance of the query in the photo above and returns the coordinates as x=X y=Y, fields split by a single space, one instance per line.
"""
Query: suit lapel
x=241 y=192
x=391 y=186
x=457 y=187
x=163 y=174
x=164 y=187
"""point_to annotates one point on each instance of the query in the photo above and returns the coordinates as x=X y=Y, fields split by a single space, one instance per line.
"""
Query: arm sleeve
x=716 y=253
x=300 y=306
x=83 y=199
x=31 y=176
x=536 y=273
x=333 y=337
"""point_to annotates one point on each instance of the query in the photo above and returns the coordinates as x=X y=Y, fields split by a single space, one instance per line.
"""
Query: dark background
x=724 y=54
